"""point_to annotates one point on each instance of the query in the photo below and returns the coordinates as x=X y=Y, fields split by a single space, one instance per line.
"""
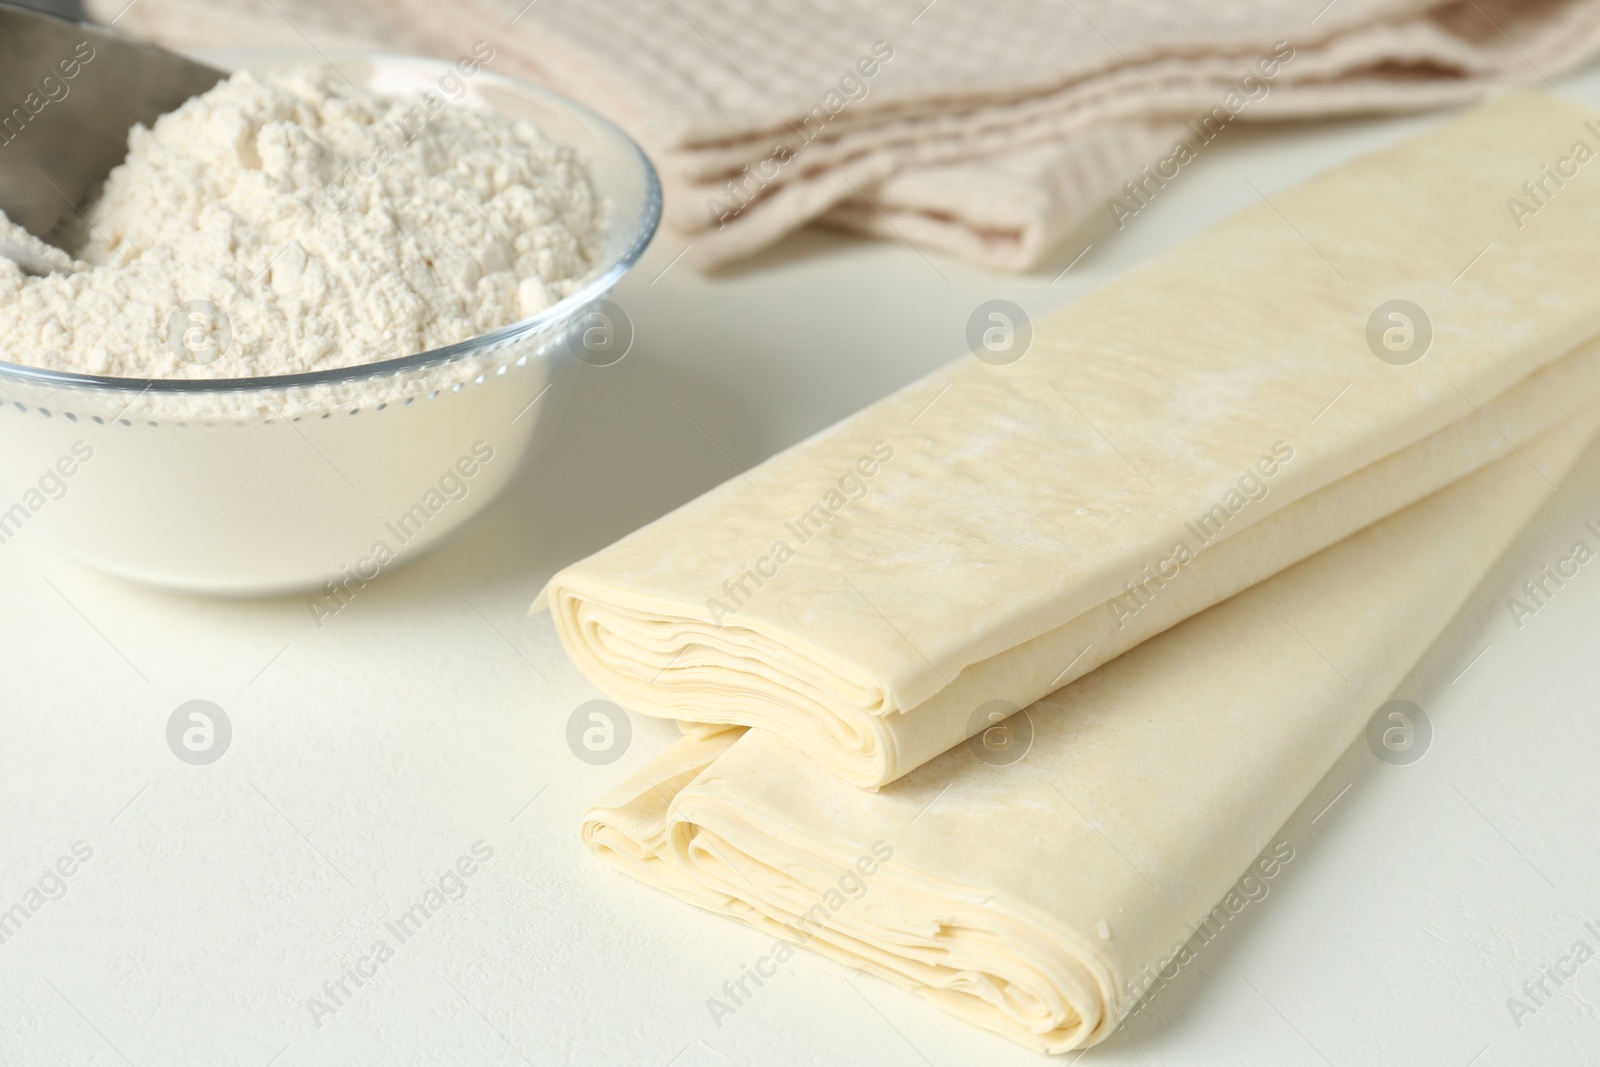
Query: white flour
x=292 y=222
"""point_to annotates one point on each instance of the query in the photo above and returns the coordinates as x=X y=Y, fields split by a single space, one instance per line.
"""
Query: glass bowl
x=270 y=485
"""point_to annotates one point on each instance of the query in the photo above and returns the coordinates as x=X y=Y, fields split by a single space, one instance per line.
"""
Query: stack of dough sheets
x=1199 y=530
x=1042 y=898
x=996 y=530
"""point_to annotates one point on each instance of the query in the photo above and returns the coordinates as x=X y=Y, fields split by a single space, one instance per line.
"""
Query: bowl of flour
x=306 y=329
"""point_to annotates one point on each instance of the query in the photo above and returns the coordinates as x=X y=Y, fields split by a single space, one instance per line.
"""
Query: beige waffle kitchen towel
x=987 y=128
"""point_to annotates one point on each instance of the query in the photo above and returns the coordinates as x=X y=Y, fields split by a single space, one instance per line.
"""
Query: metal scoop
x=69 y=94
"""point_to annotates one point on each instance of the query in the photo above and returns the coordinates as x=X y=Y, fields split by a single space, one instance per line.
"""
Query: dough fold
x=999 y=528
x=1041 y=896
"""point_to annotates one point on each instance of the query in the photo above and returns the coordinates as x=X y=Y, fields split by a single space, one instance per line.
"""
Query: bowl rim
x=645 y=220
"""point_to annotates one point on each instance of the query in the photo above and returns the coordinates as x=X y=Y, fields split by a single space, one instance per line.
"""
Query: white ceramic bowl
x=271 y=485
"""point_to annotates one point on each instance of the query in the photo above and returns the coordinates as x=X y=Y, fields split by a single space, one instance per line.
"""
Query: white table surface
x=369 y=755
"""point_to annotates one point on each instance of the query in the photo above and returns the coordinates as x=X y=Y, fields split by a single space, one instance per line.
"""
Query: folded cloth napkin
x=988 y=128
x=1041 y=890
x=995 y=530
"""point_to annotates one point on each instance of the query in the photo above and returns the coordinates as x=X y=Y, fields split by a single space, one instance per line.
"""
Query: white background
x=369 y=754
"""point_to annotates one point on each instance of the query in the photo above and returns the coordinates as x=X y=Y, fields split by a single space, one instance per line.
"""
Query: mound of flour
x=292 y=222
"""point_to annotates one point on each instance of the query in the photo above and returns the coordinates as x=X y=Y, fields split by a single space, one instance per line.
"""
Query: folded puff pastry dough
x=992 y=532
x=1040 y=899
